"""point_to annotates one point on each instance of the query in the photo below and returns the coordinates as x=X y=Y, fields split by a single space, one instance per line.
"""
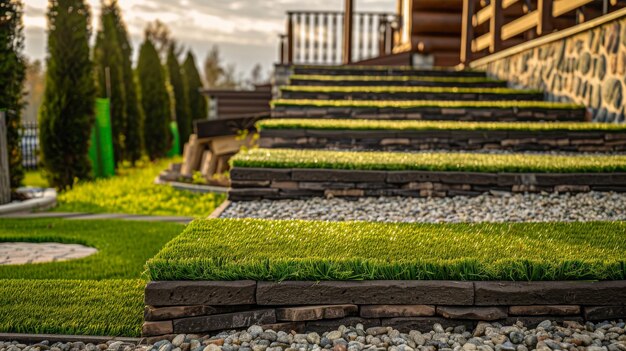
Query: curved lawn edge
x=270 y=250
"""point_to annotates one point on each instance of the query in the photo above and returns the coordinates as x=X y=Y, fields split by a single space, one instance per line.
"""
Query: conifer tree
x=197 y=102
x=67 y=112
x=154 y=101
x=134 y=117
x=180 y=96
x=12 y=75
x=108 y=62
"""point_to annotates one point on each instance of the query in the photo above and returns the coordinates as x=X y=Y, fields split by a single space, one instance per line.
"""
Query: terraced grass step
x=510 y=111
x=263 y=250
x=371 y=80
x=441 y=135
x=408 y=93
x=383 y=71
x=289 y=173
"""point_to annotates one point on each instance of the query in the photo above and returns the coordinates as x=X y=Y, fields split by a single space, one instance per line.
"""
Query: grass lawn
x=370 y=124
x=407 y=104
x=399 y=161
x=232 y=249
x=133 y=192
x=101 y=294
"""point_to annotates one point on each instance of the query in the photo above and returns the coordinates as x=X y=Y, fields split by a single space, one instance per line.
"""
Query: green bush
x=392 y=78
x=181 y=98
x=193 y=83
x=72 y=307
x=431 y=161
x=232 y=249
x=370 y=124
x=133 y=191
x=401 y=89
x=406 y=104
x=123 y=247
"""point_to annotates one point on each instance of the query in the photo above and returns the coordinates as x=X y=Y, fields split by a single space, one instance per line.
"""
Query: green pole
x=175 y=150
x=101 y=149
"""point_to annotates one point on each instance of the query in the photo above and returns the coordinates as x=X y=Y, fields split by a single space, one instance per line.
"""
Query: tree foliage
x=67 y=113
x=108 y=60
x=193 y=82
x=12 y=74
x=180 y=94
x=154 y=101
x=216 y=74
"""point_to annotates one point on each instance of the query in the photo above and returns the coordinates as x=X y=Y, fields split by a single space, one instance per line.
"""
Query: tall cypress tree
x=12 y=75
x=110 y=78
x=134 y=117
x=154 y=101
x=197 y=102
x=67 y=112
x=180 y=96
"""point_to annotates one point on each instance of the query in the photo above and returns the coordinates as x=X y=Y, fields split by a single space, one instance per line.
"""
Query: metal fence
x=30 y=145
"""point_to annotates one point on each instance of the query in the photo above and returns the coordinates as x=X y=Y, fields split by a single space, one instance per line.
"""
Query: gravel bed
x=498 y=207
x=547 y=336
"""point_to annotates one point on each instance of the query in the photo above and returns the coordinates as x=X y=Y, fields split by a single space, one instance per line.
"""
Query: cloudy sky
x=245 y=30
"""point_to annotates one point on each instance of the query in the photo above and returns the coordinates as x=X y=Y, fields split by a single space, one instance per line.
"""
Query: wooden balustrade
x=509 y=19
x=325 y=37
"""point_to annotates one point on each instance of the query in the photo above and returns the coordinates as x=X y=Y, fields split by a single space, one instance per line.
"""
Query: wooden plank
x=347 y=31
x=192 y=154
x=208 y=164
x=481 y=42
x=508 y=3
x=483 y=16
x=562 y=7
x=5 y=179
x=520 y=25
x=495 y=26
x=467 y=31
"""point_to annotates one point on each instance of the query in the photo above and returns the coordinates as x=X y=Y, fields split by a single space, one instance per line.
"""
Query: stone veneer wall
x=587 y=68
x=182 y=307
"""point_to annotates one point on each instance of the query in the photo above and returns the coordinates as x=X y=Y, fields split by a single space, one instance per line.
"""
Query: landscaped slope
x=232 y=249
x=398 y=161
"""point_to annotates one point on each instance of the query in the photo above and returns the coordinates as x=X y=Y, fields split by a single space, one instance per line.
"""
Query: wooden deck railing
x=325 y=37
x=491 y=24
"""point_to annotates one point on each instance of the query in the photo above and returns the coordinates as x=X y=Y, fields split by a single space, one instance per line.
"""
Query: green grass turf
x=400 y=89
x=369 y=124
x=406 y=104
x=133 y=192
x=72 y=307
x=232 y=249
x=398 y=161
x=100 y=294
x=123 y=247
x=334 y=78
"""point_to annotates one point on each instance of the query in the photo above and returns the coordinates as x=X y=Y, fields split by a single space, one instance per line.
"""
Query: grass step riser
x=432 y=114
x=411 y=96
x=390 y=140
x=385 y=71
x=399 y=83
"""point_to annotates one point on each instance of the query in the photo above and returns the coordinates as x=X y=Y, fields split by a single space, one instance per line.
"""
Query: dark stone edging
x=408 y=140
x=387 y=96
x=433 y=113
x=386 y=71
x=194 y=307
x=406 y=83
x=52 y=338
x=272 y=183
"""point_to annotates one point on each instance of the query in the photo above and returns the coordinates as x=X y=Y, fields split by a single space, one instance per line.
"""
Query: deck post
x=467 y=34
x=347 y=32
x=289 y=38
x=495 y=26
x=545 y=24
x=5 y=180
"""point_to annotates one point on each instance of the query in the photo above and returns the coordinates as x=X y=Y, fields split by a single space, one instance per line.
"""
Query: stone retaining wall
x=433 y=113
x=271 y=183
x=182 y=307
x=451 y=96
x=398 y=140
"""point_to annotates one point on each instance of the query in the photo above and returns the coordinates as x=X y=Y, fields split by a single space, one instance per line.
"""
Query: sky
x=246 y=31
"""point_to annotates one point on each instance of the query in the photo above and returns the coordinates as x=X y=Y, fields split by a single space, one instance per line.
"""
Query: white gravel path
x=594 y=206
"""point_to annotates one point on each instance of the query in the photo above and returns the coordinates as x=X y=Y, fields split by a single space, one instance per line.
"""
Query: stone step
x=506 y=111
x=412 y=94
x=469 y=82
x=383 y=71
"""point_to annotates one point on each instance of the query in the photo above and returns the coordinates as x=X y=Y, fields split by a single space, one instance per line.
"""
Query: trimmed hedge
x=72 y=307
x=369 y=124
x=123 y=247
x=402 y=89
x=424 y=104
x=391 y=78
x=233 y=249
x=431 y=161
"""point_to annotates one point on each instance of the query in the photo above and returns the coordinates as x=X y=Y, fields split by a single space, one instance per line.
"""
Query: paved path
x=25 y=253
x=92 y=216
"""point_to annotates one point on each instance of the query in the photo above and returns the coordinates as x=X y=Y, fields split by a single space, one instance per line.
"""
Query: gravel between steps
x=593 y=206
x=605 y=336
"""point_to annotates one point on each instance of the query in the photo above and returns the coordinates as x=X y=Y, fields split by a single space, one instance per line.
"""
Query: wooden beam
x=545 y=9
x=520 y=25
x=467 y=31
x=495 y=26
x=482 y=16
x=290 y=38
x=347 y=31
x=561 y=7
x=508 y=3
x=481 y=42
